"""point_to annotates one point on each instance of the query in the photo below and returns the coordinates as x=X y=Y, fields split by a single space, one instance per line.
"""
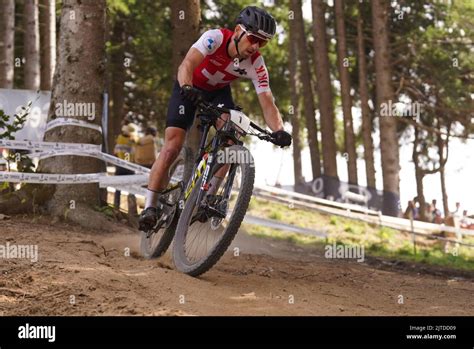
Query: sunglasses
x=254 y=39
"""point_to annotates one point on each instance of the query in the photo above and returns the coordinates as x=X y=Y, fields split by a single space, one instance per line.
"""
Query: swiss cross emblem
x=214 y=79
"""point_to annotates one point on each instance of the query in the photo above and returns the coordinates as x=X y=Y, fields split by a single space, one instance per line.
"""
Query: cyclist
x=217 y=58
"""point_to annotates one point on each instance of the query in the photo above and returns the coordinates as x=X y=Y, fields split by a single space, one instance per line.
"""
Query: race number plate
x=240 y=120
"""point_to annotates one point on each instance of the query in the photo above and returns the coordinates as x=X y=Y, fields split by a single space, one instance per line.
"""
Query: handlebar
x=209 y=107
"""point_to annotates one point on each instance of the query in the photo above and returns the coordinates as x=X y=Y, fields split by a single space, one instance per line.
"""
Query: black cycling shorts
x=181 y=111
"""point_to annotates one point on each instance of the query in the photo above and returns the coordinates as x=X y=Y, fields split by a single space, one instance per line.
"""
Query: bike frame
x=207 y=154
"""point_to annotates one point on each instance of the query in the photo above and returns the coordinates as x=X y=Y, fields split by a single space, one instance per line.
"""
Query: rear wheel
x=205 y=230
x=155 y=242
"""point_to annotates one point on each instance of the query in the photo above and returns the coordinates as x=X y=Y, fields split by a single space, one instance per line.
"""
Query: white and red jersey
x=218 y=69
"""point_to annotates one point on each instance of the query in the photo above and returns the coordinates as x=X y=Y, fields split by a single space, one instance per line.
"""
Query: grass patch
x=108 y=210
x=275 y=215
x=295 y=238
x=434 y=256
x=377 y=241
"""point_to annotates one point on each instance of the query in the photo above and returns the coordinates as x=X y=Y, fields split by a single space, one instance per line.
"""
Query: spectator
x=436 y=213
x=428 y=212
x=3 y=162
x=123 y=150
x=465 y=221
x=438 y=218
x=457 y=211
x=126 y=121
x=145 y=149
x=456 y=214
x=412 y=211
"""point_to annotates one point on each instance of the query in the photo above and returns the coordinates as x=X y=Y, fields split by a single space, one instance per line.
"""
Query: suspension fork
x=210 y=162
x=230 y=180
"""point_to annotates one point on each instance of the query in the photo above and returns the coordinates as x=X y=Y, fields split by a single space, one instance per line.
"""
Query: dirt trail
x=267 y=278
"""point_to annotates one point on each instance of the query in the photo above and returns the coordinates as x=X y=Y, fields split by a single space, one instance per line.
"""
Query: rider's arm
x=190 y=62
x=207 y=44
x=261 y=83
x=270 y=111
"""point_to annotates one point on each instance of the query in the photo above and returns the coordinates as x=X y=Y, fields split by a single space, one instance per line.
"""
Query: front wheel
x=206 y=229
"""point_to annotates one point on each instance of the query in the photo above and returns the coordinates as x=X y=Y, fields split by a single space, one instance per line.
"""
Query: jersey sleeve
x=261 y=78
x=209 y=42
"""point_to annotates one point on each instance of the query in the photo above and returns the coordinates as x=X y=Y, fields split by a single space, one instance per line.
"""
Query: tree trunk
x=48 y=42
x=7 y=38
x=388 y=130
x=364 y=105
x=31 y=42
x=295 y=112
x=343 y=66
x=297 y=26
x=444 y=192
x=118 y=77
x=186 y=15
x=79 y=78
x=185 y=19
x=324 y=88
x=420 y=194
x=419 y=175
x=443 y=158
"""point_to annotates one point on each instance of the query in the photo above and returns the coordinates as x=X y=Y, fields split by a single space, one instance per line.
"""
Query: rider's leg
x=159 y=175
x=179 y=118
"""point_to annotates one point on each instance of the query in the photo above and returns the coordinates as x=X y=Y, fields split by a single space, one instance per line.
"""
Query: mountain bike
x=208 y=217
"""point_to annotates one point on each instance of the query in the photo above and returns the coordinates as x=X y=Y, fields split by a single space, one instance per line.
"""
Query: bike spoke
x=201 y=238
x=154 y=243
